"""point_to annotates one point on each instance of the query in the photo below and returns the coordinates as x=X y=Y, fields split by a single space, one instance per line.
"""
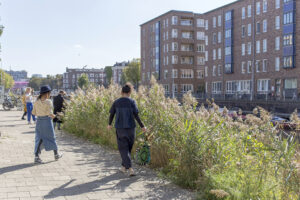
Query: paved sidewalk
x=86 y=171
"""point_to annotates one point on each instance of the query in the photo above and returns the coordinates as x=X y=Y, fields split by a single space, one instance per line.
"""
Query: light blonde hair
x=28 y=90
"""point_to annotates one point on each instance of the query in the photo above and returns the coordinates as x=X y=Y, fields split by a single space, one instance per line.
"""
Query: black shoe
x=23 y=118
x=58 y=156
x=37 y=160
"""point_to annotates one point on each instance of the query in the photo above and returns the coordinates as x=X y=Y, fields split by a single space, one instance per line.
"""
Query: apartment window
x=227 y=51
x=167 y=35
x=277 y=22
x=186 y=47
x=175 y=88
x=257 y=27
x=206 y=24
x=187 y=73
x=277 y=64
x=206 y=71
x=277 y=4
x=265 y=6
x=219 y=37
x=249 y=30
x=277 y=43
x=288 y=61
x=263 y=85
x=214 y=70
x=214 y=38
x=258 y=8
x=265 y=65
x=187 y=35
x=200 y=60
x=243 y=68
x=257 y=64
x=214 y=54
x=243 y=31
x=228 y=16
x=219 y=53
x=200 y=23
x=288 y=40
x=258 y=46
x=290 y=83
x=219 y=20
x=200 y=48
x=166 y=87
x=219 y=70
x=249 y=11
x=206 y=40
x=288 y=18
x=174 y=73
x=249 y=67
x=164 y=61
x=186 y=22
x=167 y=60
x=206 y=55
x=214 y=22
x=228 y=33
x=187 y=87
x=174 y=46
x=216 y=87
x=174 y=59
x=187 y=60
x=265 y=26
x=174 y=20
x=243 y=12
x=249 y=48
x=200 y=74
x=167 y=22
x=164 y=36
x=166 y=74
x=200 y=36
x=243 y=49
x=265 y=45
x=174 y=33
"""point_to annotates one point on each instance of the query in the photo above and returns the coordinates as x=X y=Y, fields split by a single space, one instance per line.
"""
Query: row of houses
x=95 y=76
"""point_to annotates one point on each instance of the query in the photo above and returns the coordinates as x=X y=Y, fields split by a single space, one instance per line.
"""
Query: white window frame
x=277 y=22
x=249 y=29
x=243 y=12
x=249 y=11
x=277 y=43
x=277 y=64
x=243 y=49
x=265 y=6
x=258 y=8
x=265 y=45
x=258 y=46
x=265 y=26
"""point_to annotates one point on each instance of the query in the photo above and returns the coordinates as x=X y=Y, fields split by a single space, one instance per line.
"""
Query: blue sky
x=46 y=36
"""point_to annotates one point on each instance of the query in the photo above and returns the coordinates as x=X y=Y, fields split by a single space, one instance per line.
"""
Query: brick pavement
x=86 y=171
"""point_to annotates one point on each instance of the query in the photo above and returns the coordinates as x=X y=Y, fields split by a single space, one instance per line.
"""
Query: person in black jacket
x=126 y=111
x=58 y=104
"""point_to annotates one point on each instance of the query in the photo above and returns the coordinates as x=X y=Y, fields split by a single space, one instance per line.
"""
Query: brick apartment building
x=118 y=71
x=71 y=76
x=243 y=50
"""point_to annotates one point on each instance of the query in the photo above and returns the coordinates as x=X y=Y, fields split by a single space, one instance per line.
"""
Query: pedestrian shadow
x=18 y=167
x=92 y=186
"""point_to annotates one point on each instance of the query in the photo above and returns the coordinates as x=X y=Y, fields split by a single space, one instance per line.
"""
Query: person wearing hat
x=126 y=111
x=44 y=131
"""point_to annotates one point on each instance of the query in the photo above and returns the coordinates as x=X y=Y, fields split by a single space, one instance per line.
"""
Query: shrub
x=201 y=149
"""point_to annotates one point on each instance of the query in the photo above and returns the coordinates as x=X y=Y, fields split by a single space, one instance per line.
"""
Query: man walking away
x=126 y=111
x=58 y=104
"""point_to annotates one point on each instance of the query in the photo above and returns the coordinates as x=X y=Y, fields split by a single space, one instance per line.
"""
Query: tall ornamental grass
x=201 y=149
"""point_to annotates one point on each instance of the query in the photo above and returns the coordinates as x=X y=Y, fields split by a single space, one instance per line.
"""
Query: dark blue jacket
x=126 y=111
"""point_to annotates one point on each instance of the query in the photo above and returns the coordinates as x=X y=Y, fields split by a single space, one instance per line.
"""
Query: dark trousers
x=125 y=139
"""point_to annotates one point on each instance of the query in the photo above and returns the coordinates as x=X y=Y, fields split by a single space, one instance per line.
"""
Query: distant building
x=36 y=76
x=71 y=76
x=117 y=70
x=18 y=75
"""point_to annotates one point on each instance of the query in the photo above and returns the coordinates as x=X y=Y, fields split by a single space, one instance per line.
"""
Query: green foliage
x=203 y=149
x=132 y=72
x=108 y=71
x=55 y=82
x=6 y=80
x=83 y=81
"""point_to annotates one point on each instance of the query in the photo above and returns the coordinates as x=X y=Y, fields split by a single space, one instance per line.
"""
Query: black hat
x=45 y=89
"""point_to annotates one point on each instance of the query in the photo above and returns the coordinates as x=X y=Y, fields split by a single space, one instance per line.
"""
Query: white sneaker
x=131 y=172
x=29 y=122
x=122 y=169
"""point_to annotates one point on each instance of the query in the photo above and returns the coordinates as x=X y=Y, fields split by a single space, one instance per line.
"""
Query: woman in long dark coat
x=58 y=103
